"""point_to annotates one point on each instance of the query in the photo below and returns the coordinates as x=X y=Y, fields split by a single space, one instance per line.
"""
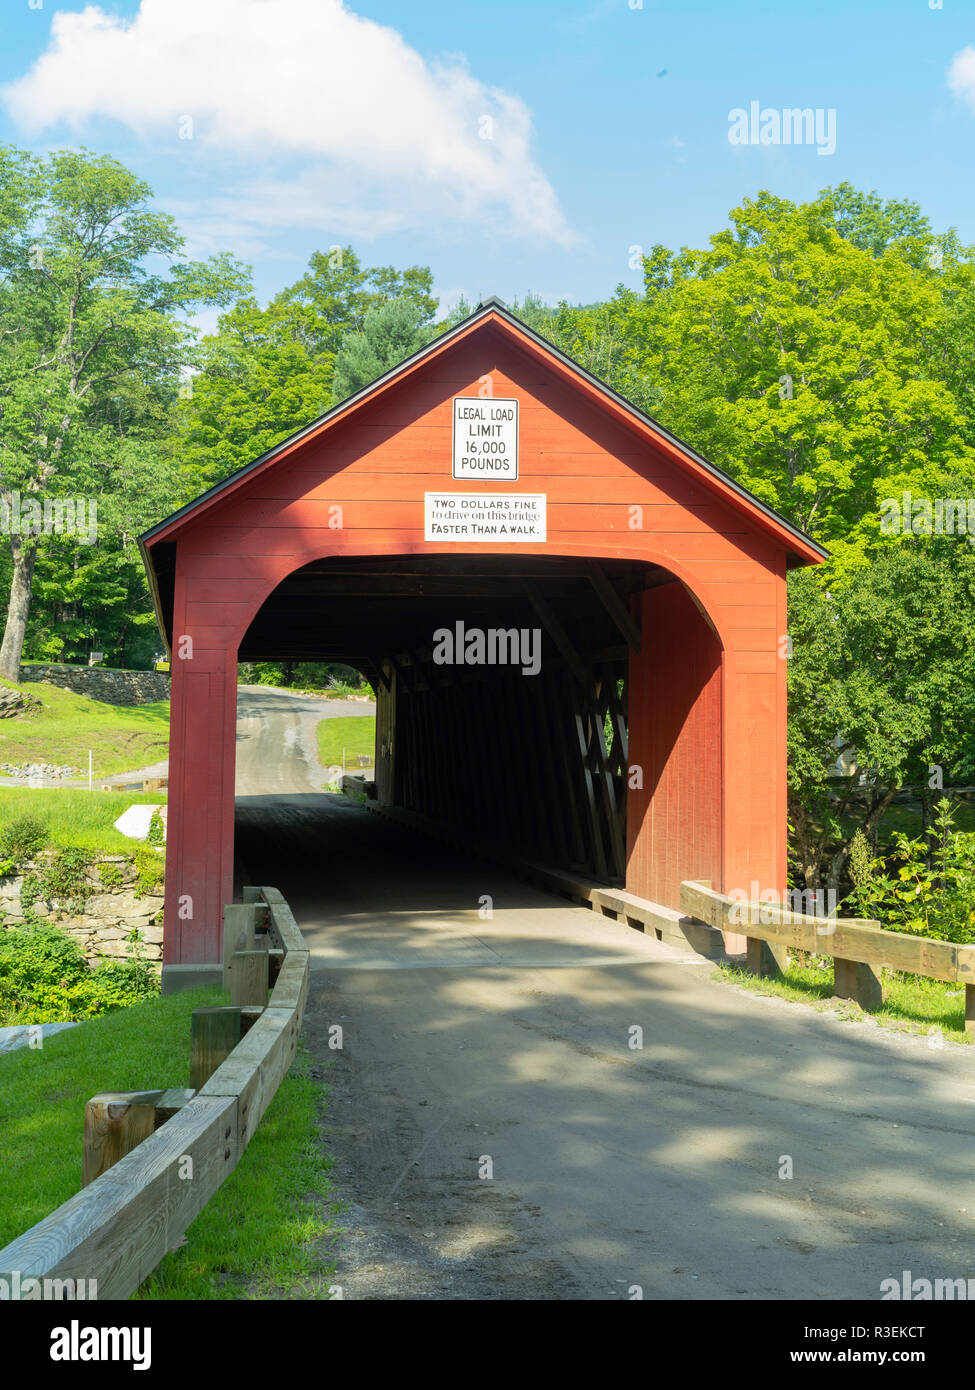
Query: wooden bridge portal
x=573 y=623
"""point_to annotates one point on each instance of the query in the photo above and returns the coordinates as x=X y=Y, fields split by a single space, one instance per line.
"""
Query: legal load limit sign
x=485 y=438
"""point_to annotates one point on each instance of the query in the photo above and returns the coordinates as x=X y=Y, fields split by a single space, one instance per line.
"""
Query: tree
x=268 y=372
x=801 y=362
x=390 y=333
x=91 y=342
x=887 y=661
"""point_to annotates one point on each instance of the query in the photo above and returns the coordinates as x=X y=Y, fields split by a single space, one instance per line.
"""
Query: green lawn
x=76 y=818
x=355 y=733
x=266 y=1226
x=122 y=737
x=911 y=1001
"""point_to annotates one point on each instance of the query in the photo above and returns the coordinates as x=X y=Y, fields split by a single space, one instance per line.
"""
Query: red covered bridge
x=489 y=490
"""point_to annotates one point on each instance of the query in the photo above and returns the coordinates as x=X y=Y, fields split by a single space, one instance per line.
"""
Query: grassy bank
x=122 y=737
x=76 y=819
x=262 y=1230
x=355 y=733
x=912 y=1002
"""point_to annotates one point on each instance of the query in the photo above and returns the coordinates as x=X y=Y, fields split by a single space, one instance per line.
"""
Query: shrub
x=44 y=978
x=64 y=878
x=150 y=870
x=111 y=875
x=21 y=838
x=929 y=890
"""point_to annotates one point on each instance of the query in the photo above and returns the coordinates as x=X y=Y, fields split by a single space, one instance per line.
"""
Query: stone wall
x=114 y=687
x=111 y=912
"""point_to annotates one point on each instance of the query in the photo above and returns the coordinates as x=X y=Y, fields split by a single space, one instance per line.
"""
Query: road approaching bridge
x=505 y=1045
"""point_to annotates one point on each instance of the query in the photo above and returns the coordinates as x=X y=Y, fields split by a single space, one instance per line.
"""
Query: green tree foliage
x=802 y=362
x=886 y=662
x=92 y=343
x=268 y=372
x=390 y=333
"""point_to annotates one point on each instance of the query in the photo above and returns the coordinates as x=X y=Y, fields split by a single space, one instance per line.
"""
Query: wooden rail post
x=765 y=958
x=214 y=1033
x=854 y=979
x=249 y=978
x=239 y=931
x=970 y=1009
x=115 y=1121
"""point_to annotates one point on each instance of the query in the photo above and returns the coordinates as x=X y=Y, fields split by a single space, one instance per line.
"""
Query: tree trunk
x=24 y=552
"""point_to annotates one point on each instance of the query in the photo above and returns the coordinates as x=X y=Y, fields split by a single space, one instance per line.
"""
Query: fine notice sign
x=485 y=437
x=484 y=516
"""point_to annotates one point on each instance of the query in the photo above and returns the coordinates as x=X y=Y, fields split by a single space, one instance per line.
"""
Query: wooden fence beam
x=249 y=978
x=214 y=1033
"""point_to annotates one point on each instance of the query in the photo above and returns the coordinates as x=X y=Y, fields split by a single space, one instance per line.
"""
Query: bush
x=44 y=978
x=21 y=838
x=150 y=870
x=929 y=887
x=64 y=878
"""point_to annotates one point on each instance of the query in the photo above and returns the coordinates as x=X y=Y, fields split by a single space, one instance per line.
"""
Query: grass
x=264 y=1228
x=355 y=733
x=910 y=1001
x=122 y=737
x=74 y=818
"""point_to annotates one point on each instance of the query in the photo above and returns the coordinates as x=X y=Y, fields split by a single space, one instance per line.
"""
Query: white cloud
x=371 y=137
x=961 y=75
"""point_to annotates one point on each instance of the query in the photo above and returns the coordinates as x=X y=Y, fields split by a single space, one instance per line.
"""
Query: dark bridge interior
x=537 y=761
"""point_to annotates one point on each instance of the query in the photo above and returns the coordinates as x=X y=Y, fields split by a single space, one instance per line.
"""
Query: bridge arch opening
x=504 y=686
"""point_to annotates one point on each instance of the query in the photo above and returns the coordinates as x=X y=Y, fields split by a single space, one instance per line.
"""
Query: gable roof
x=801 y=548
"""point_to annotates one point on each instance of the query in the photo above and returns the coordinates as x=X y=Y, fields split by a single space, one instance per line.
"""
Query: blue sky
x=513 y=147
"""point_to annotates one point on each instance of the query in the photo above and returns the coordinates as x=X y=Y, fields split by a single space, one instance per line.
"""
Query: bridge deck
x=658 y=1167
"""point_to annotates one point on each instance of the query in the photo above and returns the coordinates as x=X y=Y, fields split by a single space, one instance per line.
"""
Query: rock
x=121 y=905
x=21 y=1035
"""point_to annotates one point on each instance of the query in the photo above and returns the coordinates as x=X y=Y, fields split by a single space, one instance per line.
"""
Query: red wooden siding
x=674 y=822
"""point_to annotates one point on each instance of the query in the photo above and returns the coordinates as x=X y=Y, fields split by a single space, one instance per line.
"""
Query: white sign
x=485 y=438
x=484 y=516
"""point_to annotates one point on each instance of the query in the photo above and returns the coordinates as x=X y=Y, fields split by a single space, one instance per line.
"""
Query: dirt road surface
x=499 y=1131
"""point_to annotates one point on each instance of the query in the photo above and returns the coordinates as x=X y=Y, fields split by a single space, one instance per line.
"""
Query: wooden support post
x=214 y=1033
x=765 y=958
x=970 y=1008
x=115 y=1121
x=853 y=979
x=249 y=978
x=239 y=930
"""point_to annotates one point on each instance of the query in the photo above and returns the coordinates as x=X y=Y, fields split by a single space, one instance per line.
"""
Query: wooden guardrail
x=153 y=1159
x=860 y=949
